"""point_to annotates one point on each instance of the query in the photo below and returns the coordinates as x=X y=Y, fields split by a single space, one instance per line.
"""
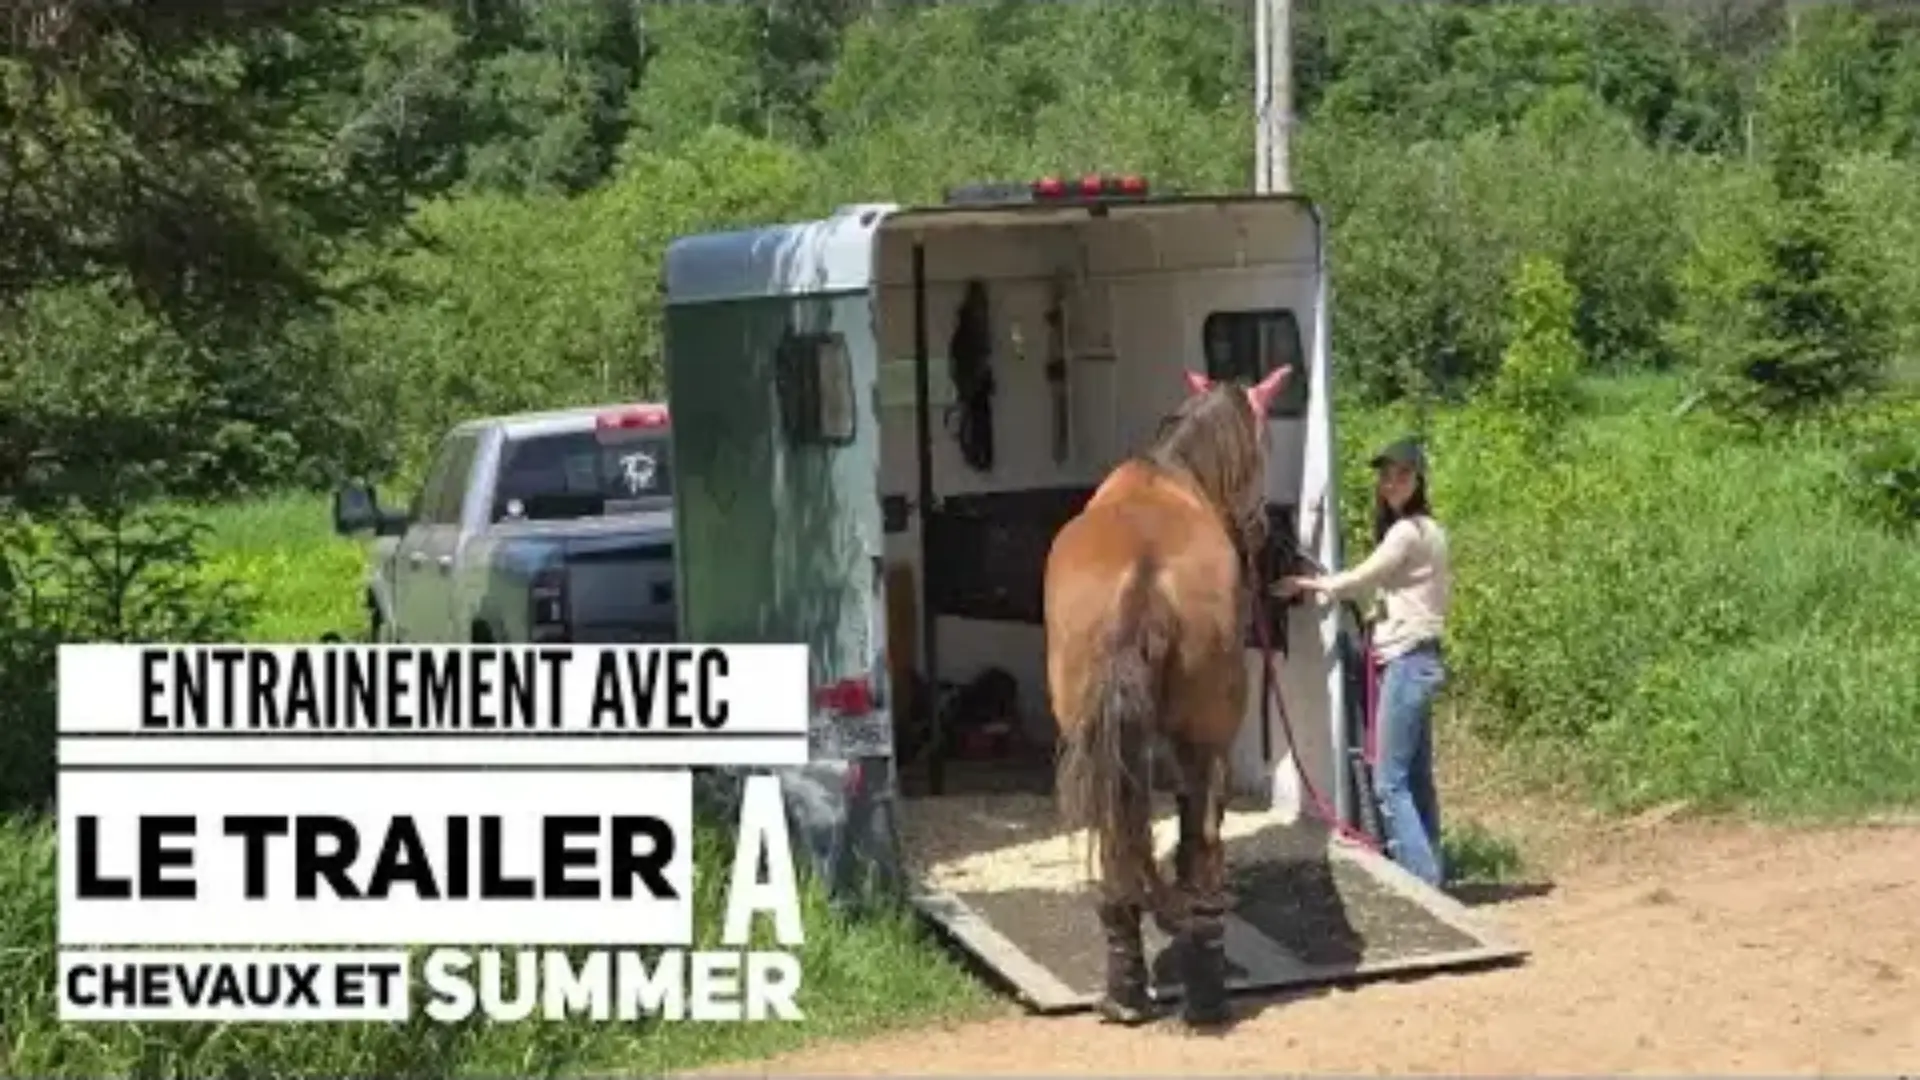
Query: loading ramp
x=998 y=873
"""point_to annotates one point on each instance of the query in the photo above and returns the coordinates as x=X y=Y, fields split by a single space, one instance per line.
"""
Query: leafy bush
x=1882 y=476
x=1538 y=382
x=1421 y=249
x=545 y=302
x=92 y=390
x=1623 y=597
x=1886 y=482
x=1608 y=207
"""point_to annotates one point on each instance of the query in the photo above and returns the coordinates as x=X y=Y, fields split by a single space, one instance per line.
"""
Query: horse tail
x=1102 y=776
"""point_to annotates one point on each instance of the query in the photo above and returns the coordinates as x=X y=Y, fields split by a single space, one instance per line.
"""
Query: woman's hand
x=1289 y=588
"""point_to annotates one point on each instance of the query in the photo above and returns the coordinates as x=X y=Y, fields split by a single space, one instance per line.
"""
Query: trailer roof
x=835 y=254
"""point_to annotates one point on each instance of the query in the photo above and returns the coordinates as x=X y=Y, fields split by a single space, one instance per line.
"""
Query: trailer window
x=1248 y=345
x=815 y=378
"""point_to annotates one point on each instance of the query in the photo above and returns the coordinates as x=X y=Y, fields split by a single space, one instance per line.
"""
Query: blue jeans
x=1403 y=777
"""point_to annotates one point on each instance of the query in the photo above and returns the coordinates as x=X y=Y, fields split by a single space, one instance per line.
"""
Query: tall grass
x=304 y=580
x=860 y=975
x=1693 y=615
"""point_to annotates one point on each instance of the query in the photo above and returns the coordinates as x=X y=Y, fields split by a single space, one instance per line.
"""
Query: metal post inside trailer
x=929 y=700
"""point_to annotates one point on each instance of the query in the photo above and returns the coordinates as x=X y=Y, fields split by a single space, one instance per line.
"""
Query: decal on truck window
x=576 y=474
x=637 y=471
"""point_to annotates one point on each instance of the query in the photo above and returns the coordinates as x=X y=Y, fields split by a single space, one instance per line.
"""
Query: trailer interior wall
x=1138 y=287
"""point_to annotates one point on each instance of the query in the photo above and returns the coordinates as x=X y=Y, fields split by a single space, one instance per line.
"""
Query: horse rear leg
x=1100 y=780
x=1202 y=942
x=1126 y=1000
x=1169 y=910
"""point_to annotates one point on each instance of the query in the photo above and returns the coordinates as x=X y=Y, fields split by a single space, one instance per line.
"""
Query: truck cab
x=535 y=527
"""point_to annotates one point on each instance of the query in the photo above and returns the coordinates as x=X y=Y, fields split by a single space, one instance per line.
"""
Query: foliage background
x=1642 y=273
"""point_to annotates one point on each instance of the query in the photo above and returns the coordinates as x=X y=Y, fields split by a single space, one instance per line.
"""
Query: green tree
x=1810 y=333
x=176 y=215
x=175 y=151
x=547 y=98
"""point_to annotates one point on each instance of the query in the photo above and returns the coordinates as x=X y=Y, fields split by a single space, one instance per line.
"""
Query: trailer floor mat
x=1000 y=875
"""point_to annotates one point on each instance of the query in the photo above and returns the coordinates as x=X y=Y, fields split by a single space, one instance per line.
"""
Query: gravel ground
x=1665 y=945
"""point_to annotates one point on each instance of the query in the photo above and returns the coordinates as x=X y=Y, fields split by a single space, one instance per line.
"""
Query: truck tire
x=480 y=633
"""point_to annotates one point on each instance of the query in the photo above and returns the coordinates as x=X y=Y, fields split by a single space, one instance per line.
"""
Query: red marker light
x=640 y=416
x=1092 y=184
x=1133 y=185
x=1049 y=187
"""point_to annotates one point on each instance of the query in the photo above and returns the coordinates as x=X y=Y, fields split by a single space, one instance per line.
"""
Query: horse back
x=1142 y=520
x=1144 y=512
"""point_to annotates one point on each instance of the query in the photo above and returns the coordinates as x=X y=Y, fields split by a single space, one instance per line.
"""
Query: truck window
x=815 y=383
x=1248 y=345
x=576 y=474
x=445 y=489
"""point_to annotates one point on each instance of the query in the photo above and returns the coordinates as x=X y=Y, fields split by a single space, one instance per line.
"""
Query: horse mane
x=1213 y=440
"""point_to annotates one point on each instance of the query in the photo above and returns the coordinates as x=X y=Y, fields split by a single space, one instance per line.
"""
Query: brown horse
x=1144 y=599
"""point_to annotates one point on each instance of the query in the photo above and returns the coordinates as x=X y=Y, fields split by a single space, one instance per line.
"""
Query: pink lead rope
x=1320 y=807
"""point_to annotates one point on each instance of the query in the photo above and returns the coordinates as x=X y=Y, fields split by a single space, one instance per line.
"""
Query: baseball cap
x=1404 y=452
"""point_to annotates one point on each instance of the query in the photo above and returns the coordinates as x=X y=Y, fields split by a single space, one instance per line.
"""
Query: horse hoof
x=1129 y=1012
x=1208 y=1009
x=1207 y=1018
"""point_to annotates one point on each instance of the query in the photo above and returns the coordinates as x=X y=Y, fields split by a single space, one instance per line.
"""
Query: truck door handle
x=415 y=558
x=445 y=563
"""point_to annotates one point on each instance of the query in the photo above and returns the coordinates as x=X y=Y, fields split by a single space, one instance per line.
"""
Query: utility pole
x=1273 y=95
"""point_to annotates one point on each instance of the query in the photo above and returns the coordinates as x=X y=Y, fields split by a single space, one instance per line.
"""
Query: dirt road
x=1664 y=947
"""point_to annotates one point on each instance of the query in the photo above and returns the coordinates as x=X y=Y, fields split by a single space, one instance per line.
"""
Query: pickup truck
x=537 y=527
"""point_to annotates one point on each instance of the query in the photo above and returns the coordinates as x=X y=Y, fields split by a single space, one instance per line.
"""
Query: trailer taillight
x=846 y=698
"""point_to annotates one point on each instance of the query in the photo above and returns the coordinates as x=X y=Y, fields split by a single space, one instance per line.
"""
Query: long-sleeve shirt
x=1410 y=573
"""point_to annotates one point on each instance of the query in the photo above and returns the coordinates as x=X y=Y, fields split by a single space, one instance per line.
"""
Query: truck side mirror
x=356 y=508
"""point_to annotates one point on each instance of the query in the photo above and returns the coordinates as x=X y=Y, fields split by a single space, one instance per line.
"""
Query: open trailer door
x=777 y=518
x=1098 y=296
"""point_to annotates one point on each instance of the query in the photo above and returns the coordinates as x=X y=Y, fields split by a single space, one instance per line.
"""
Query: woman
x=1409 y=571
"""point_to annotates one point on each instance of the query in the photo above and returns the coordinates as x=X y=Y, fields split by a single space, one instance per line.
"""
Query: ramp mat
x=1309 y=907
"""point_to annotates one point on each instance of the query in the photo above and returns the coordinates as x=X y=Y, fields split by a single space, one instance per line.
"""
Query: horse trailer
x=884 y=416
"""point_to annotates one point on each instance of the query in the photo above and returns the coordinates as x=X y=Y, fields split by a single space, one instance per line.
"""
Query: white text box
x=521 y=802
x=202 y=985
x=442 y=691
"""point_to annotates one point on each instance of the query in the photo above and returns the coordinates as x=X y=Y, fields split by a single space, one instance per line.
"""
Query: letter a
x=763 y=828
